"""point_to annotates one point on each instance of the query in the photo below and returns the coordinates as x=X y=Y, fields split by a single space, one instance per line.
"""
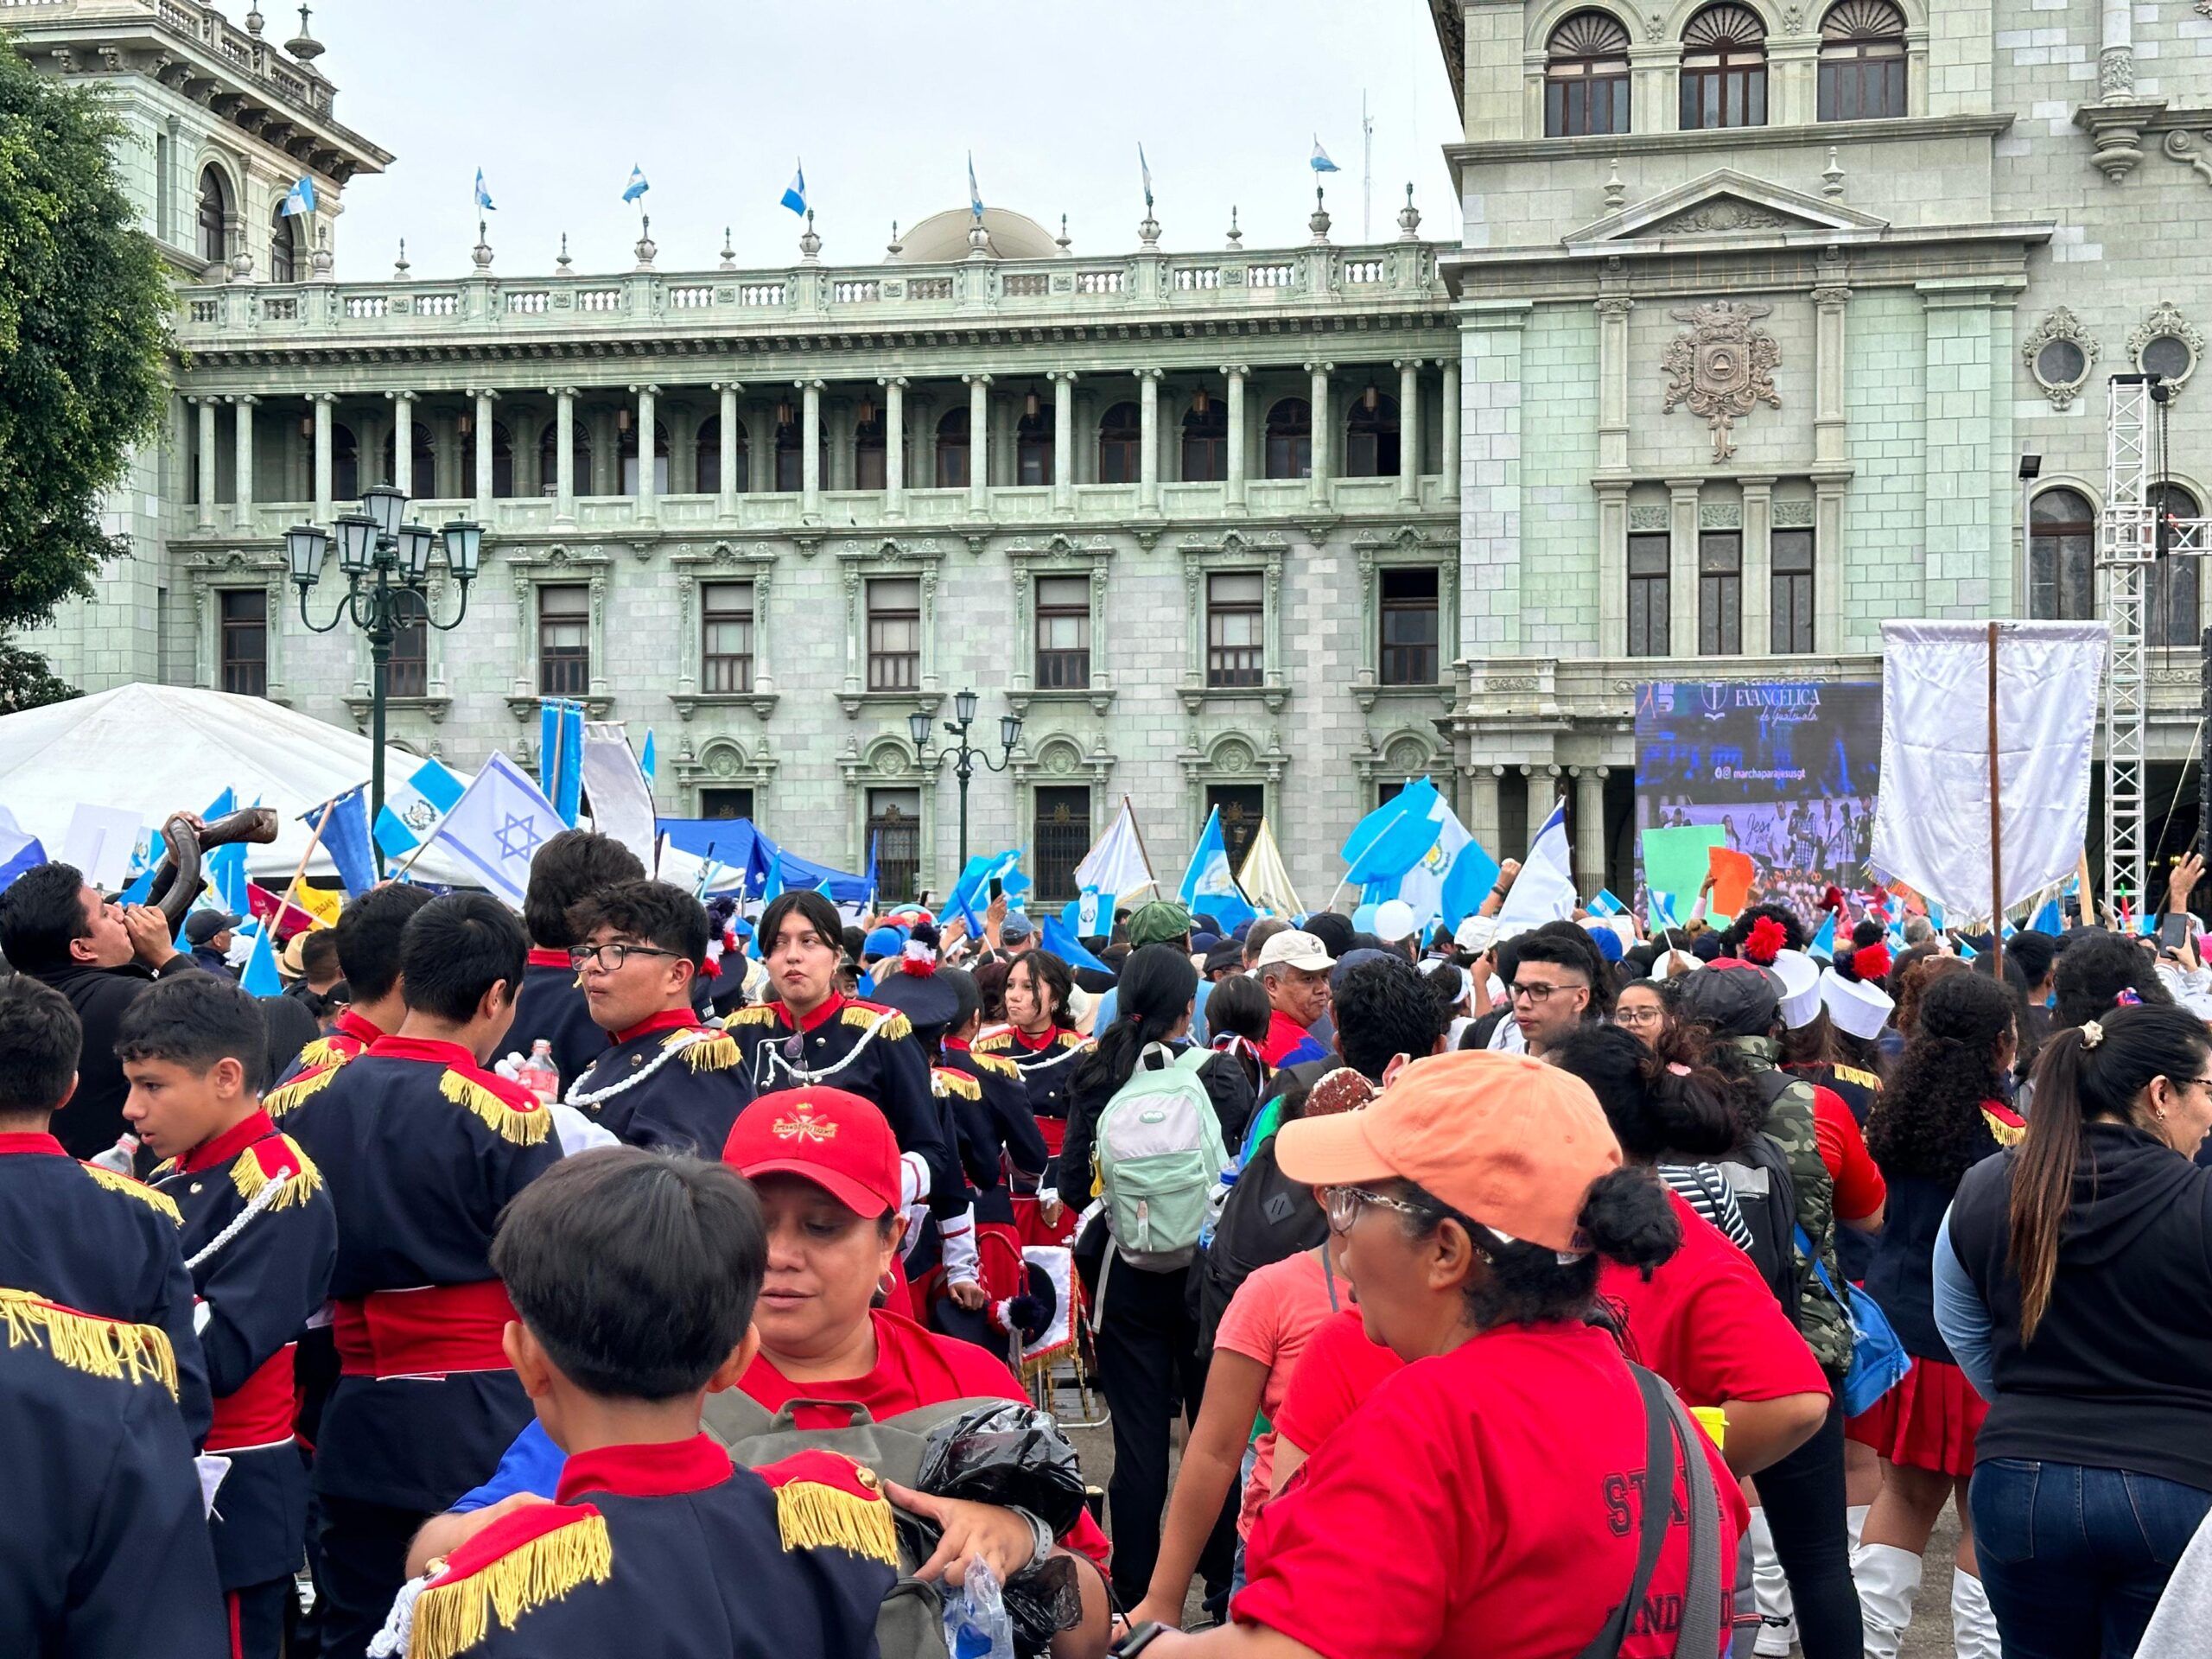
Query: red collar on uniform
x=422 y=1048
x=666 y=1020
x=354 y=1025
x=955 y=1045
x=549 y=958
x=220 y=1149
x=830 y=1006
x=663 y=1471
x=32 y=1141
x=1034 y=1045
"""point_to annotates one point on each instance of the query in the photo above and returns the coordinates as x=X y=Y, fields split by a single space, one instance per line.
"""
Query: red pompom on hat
x=1872 y=963
x=1765 y=943
x=1833 y=900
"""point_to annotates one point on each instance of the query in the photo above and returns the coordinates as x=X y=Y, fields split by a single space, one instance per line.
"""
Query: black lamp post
x=387 y=564
x=964 y=758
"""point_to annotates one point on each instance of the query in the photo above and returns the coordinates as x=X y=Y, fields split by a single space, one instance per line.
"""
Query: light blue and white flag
x=345 y=820
x=1823 y=943
x=1084 y=915
x=1210 y=885
x=18 y=851
x=260 y=977
x=795 y=192
x=414 y=808
x=1544 y=891
x=1068 y=947
x=975 y=195
x=637 y=186
x=497 y=825
x=483 y=196
x=2047 y=919
x=1321 y=164
x=224 y=869
x=300 y=199
x=561 y=755
x=1422 y=886
x=773 y=887
x=1467 y=883
x=971 y=891
x=1607 y=903
x=649 y=762
x=1393 y=838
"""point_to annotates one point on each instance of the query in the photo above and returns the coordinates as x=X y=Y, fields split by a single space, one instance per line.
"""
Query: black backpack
x=1766 y=1192
x=1268 y=1217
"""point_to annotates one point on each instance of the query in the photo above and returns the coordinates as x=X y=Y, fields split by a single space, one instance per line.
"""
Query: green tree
x=85 y=344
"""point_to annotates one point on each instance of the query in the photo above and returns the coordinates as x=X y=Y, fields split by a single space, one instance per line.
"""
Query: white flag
x=1544 y=891
x=1265 y=879
x=497 y=826
x=1117 y=863
x=622 y=802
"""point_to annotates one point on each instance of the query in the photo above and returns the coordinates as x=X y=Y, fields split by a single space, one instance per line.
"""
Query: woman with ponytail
x=2074 y=1278
x=1487 y=1498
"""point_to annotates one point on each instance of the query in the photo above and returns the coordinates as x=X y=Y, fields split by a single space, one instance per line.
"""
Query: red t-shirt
x=1859 y=1188
x=1484 y=1501
x=1337 y=1370
x=913 y=1368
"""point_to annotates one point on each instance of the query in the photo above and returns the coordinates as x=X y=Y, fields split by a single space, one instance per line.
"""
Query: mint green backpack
x=1159 y=1155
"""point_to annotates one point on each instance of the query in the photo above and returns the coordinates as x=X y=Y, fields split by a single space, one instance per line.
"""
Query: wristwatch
x=1041 y=1536
x=1138 y=1639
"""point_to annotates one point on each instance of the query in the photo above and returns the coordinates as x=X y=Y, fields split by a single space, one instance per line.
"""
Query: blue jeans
x=2074 y=1559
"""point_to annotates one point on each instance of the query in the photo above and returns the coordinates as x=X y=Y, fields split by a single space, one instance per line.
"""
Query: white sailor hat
x=1857 y=1008
x=1801 y=987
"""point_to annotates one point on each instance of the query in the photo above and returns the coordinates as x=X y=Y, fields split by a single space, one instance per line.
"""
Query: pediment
x=1725 y=202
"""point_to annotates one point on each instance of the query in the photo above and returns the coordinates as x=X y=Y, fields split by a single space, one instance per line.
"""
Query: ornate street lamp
x=965 y=757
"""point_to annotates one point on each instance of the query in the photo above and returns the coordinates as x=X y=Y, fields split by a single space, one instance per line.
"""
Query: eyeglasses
x=1539 y=994
x=1346 y=1202
x=612 y=956
x=1631 y=1016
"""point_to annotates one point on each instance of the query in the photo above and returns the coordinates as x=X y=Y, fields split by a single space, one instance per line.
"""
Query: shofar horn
x=177 y=877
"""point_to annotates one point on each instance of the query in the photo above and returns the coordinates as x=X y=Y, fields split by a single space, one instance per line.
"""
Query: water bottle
x=975 y=1622
x=121 y=1158
x=539 y=1075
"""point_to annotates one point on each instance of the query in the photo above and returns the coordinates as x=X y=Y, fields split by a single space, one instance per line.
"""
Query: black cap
x=928 y=1003
x=204 y=924
x=1730 y=1001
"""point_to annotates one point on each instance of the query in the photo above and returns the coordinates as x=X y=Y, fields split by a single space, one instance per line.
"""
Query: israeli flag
x=637 y=186
x=300 y=199
x=1321 y=164
x=1209 y=884
x=413 y=810
x=497 y=825
x=975 y=195
x=795 y=192
x=483 y=196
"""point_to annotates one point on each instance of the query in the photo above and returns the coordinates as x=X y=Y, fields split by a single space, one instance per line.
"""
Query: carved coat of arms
x=1723 y=368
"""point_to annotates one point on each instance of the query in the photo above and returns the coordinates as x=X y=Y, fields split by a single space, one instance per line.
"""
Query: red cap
x=828 y=1136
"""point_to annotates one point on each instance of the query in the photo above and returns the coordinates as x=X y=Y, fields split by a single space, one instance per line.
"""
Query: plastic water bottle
x=539 y=1075
x=121 y=1158
x=975 y=1622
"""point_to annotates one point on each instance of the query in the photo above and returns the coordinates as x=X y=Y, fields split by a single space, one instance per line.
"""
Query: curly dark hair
x=2093 y=969
x=1928 y=1122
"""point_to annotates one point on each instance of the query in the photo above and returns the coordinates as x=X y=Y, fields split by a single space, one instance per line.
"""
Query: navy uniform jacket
x=1047 y=1072
x=871 y=1051
x=671 y=1551
x=420 y=1149
x=659 y=1085
x=1000 y=1123
x=88 y=1238
x=107 y=1554
x=346 y=1040
x=257 y=1289
x=551 y=1005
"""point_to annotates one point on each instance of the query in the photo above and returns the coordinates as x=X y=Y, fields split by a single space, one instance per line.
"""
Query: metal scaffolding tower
x=2124 y=554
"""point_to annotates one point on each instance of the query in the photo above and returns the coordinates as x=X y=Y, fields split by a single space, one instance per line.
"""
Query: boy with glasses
x=1551 y=989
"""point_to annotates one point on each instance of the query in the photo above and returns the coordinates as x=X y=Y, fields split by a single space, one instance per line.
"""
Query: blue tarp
x=737 y=843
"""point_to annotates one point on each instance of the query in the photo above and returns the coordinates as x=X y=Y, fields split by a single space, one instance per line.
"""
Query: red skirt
x=1928 y=1421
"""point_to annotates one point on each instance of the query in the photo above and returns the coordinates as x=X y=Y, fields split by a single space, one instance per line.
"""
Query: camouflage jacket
x=1789 y=1123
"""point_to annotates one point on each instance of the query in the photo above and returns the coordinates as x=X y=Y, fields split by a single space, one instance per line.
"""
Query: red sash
x=260 y=1413
x=430 y=1331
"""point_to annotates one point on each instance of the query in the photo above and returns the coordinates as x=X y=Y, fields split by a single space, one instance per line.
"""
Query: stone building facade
x=1194 y=516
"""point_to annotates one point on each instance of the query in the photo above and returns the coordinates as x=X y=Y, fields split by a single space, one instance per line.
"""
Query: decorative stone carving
x=2060 y=353
x=2165 y=344
x=1648 y=518
x=2182 y=147
x=1715 y=217
x=1723 y=368
x=1793 y=515
x=1720 y=515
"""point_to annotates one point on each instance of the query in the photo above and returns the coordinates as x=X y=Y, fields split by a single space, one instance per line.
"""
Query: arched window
x=1862 y=61
x=871 y=450
x=1585 y=77
x=283 y=247
x=1724 y=69
x=422 y=477
x=1032 y=448
x=2169 y=596
x=503 y=460
x=707 y=458
x=1290 y=439
x=1372 y=436
x=1205 y=443
x=627 y=440
x=549 y=458
x=952 y=450
x=344 y=464
x=215 y=216
x=1120 y=441
x=2061 y=556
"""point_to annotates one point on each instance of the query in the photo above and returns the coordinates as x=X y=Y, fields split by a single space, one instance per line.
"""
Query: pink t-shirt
x=1273 y=1312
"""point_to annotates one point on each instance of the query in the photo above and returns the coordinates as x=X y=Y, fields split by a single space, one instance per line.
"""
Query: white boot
x=1854 y=1522
x=1888 y=1579
x=1974 y=1627
x=1771 y=1591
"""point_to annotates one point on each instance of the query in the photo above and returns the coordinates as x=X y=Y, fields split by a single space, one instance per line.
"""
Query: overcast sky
x=883 y=99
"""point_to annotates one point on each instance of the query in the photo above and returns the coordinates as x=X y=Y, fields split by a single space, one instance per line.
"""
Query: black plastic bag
x=1006 y=1454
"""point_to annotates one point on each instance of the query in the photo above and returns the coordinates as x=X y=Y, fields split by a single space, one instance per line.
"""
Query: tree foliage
x=84 y=305
x=26 y=682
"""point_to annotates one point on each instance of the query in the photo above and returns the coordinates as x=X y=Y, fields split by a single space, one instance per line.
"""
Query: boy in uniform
x=367 y=937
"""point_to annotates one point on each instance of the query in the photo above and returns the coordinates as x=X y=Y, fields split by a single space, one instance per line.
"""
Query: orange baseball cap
x=1502 y=1138
x=833 y=1138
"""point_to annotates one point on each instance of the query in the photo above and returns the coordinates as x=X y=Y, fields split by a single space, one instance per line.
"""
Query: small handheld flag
x=795 y=192
x=975 y=195
x=483 y=196
x=300 y=199
x=1321 y=164
x=637 y=186
x=649 y=762
x=1147 y=168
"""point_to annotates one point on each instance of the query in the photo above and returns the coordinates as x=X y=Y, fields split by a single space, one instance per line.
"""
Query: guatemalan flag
x=300 y=199
x=637 y=186
x=1321 y=164
x=795 y=192
x=414 y=808
x=1208 y=885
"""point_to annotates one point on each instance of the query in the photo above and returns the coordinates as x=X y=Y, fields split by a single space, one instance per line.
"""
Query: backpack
x=1160 y=1156
x=1268 y=1217
x=1765 y=1192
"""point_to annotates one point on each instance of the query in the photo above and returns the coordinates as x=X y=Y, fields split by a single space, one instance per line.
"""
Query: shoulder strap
x=1328 y=1274
x=1699 y=1633
x=1658 y=1504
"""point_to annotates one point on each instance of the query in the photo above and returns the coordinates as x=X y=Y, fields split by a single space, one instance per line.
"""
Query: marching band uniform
x=260 y=1239
x=550 y=1004
x=347 y=1040
x=420 y=1148
x=107 y=1553
x=672 y=1548
x=671 y=1081
x=1047 y=1065
x=1000 y=1120
x=87 y=1238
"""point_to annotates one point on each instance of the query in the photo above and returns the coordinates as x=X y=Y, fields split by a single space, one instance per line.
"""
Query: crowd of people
x=639 y=1273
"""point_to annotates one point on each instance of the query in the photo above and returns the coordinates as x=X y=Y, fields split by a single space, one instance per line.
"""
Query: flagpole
x=1137 y=830
x=313 y=842
x=1996 y=829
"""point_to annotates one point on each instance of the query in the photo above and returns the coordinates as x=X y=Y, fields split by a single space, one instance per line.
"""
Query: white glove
x=962 y=1265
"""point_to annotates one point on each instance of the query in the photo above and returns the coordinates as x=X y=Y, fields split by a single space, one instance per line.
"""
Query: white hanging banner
x=1931 y=817
x=622 y=800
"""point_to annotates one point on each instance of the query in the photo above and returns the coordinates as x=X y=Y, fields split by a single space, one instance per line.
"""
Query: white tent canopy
x=152 y=750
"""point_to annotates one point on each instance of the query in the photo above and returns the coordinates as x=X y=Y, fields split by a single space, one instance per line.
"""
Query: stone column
x=979 y=441
x=1482 y=805
x=2116 y=57
x=726 y=502
x=648 y=485
x=1063 y=439
x=809 y=464
x=242 y=512
x=322 y=401
x=1235 y=374
x=1612 y=567
x=894 y=445
x=1148 y=440
x=484 y=491
x=1589 y=828
x=564 y=454
x=1447 y=458
x=207 y=514
x=1655 y=100
x=1758 y=566
x=1830 y=302
x=403 y=441
x=1681 y=567
x=1323 y=423
x=1409 y=429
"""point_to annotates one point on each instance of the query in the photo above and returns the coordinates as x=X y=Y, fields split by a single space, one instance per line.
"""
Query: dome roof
x=945 y=237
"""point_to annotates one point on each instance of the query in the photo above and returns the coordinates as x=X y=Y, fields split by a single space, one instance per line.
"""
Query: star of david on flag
x=499 y=824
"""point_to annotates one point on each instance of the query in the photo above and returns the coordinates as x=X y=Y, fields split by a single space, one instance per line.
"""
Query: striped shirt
x=1705 y=1189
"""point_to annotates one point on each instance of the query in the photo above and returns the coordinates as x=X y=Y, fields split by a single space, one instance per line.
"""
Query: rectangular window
x=895 y=634
x=1648 y=557
x=1792 y=592
x=1409 y=627
x=408 y=673
x=895 y=830
x=1063 y=633
x=1062 y=837
x=163 y=224
x=726 y=636
x=869 y=459
x=1721 y=593
x=245 y=642
x=1236 y=619
x=563 y=641
x=1241 y=806
x=725 y=803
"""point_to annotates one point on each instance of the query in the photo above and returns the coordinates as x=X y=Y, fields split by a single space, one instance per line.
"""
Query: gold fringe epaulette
x=277 y=1101
x=754 y=1013
x=826 y=1501
x=138 y=1190
x=715 y=1054
x=998 y=1065
x=1853 y=1074
x=996 y=1042
x=85 y=1342
x=456 y=1613
x=295 y=1173
x=323 y=1052
x=944 y=1081
x=523 y=1126
x=887 y=1023
x=1071 y=1040
x=2008 y=1129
